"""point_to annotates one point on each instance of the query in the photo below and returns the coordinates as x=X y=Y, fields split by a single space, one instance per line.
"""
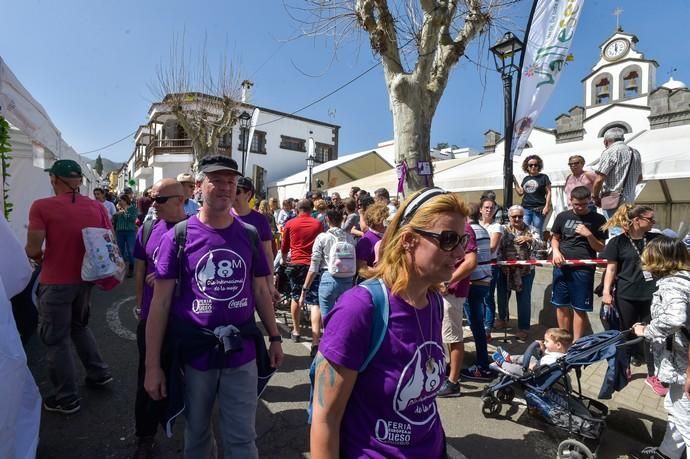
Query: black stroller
x=550 y=397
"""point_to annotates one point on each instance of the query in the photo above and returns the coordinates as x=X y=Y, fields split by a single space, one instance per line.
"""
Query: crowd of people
x=388 y=287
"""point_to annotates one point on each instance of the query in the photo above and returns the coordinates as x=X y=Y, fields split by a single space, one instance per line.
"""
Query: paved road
x=104 y=427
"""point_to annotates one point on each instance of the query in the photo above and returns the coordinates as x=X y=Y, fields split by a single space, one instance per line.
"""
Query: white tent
x=36 y=144
x=332 y=174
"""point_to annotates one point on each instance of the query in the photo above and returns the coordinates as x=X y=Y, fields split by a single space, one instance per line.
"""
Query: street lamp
x=310 y=162
x=505 y=52
x=245 y=120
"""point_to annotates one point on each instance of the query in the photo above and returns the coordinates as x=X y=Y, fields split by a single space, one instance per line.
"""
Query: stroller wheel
x=491 y=407
x=573 y=449
x=506 y=394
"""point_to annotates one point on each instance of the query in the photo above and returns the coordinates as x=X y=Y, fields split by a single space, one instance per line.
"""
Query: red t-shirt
x=63 y=220
x=298 y=237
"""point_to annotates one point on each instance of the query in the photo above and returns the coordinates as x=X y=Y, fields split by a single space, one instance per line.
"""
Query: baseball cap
x=217 y=163
x=186 y=177
x=245 y=183
x=65 y=168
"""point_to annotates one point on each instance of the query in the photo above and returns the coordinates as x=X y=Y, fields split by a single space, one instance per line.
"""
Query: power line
x=110 y=144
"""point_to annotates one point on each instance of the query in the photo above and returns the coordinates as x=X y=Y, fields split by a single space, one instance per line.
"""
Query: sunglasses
x=533 y=165
x=574 y=164
x=164 y=199
x=649 y=219
x=447 y=240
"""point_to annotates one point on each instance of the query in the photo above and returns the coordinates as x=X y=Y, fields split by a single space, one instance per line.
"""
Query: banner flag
x=547 y=51
x=252 y=126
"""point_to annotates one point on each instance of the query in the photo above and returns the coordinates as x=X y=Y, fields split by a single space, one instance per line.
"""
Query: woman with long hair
x=667 y=260
x=487 y=219
x=626 y=286
x=398 y=387
x=535 y=190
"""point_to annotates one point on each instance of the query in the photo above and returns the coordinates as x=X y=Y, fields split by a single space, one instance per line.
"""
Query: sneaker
x=449 y=389
x=99 y=383
x=500 y=324
x=650 y=452
x=474 y=373
x=62 y=407
x=501 y=355
x=656 y=385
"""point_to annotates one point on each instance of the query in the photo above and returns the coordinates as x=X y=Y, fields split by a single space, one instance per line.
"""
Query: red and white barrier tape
x=594 y=261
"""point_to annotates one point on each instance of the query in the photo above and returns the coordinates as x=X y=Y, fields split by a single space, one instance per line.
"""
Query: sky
x=92 y=64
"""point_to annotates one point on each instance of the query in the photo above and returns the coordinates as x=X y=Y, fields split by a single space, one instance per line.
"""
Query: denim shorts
x=573 y=288
x=297 y=274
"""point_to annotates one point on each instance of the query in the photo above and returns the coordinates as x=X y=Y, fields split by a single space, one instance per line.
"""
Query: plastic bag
x=103 y=264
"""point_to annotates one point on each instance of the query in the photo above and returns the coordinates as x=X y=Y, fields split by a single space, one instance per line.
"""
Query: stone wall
x=669 y=107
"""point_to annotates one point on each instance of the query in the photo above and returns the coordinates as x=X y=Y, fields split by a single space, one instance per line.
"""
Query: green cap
x=65 y=168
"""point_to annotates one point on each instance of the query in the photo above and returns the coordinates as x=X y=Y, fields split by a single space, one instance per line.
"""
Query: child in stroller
x=556 y=343
x=550 y=396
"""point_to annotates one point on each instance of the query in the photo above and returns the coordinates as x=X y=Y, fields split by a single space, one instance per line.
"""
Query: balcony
x=176 y=146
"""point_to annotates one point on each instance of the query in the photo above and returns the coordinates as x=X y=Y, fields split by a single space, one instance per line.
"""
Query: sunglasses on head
x=164 y=199
x=447 y=240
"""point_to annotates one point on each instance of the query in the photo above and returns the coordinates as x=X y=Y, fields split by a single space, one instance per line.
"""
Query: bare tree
x=205 y=103
x=419 y=42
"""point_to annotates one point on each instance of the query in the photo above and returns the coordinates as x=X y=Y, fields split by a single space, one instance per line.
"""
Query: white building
x=278 y=147
x=620 y=91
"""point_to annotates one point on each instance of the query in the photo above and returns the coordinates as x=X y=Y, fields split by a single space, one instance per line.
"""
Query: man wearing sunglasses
x=191 y=207
x=168 y=198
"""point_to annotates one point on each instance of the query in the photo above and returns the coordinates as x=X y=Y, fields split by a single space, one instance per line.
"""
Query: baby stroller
x=550 y=397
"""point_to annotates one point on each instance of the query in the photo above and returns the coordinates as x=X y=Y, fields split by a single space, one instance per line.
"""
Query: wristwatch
x=275 y=339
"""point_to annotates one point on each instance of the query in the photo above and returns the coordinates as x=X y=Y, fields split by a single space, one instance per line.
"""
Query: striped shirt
x=483 y=270
x=126 y=221
x=614 y=164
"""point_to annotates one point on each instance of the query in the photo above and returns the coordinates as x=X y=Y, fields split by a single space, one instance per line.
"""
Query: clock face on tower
x=616 y=49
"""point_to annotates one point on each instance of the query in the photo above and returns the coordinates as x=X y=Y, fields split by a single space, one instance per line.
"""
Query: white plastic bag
x=102 y=262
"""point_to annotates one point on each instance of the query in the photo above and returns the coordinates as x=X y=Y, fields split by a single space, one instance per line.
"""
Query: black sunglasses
x=532 y=165
x=164 y=199
x=447 y=240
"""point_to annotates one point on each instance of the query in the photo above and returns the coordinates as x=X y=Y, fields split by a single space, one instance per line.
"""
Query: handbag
x=102 y=263
x=612 y=199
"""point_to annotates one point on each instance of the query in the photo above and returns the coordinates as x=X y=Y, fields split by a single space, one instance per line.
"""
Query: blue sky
x=91 y=63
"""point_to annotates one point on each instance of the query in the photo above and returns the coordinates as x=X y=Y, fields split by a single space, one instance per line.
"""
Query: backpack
x=342 y=261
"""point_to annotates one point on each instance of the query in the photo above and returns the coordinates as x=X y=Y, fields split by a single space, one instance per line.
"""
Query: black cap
x=245 y=183
x=218 y=163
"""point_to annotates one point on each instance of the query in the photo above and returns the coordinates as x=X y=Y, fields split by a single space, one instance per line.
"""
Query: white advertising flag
x=546 y=53
x=252 y=126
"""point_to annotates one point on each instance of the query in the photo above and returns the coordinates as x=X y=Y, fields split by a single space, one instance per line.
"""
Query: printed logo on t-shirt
x=221 y=274
x=570 y=225
x=419 y=381
x=154 y=256
x=530 y=186
x=202 y=306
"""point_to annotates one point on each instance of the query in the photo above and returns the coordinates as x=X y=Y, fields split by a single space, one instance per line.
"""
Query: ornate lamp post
x=505 y=52
x=245 y=120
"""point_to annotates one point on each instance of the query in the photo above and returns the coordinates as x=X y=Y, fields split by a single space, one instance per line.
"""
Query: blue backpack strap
x=379 y=326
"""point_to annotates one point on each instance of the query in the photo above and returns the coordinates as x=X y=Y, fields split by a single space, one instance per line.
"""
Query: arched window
x=602 y=89
x=630 y=82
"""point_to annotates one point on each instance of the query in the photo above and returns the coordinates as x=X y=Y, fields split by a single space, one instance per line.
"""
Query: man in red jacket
x=298 y=238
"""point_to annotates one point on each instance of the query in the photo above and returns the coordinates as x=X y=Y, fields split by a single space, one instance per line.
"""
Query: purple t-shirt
x=392 y=410
x=150 y=255
x=258 y=221
x=365 y=247
x=218 y=271
x=461 y=288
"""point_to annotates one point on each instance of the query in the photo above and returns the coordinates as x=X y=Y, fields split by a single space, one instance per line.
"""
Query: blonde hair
x=263 y=207
x=560 y=335
x=320 y=205
x=376 y=214
x=624 y=216
x=664 y=256
x=393 y=266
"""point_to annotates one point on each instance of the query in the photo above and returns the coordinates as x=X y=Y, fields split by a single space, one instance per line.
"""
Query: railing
x=161 y=146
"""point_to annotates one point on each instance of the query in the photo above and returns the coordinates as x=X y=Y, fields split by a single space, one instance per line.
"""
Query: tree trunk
x=413 y=112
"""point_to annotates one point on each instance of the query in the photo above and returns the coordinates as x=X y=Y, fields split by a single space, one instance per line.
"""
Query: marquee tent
x=36 y=144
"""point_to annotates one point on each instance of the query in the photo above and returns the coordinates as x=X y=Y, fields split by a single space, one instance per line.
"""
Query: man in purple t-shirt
x=168 y=199
x=221 y=272
x=242 y=210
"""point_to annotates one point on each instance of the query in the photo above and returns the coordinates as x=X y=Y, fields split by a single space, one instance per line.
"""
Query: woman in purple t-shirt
x=389 y=409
